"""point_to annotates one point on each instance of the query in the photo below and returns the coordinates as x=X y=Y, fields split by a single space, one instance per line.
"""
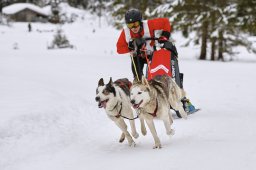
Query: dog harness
x=124 y=84
x=154 y=113
x=120 y=111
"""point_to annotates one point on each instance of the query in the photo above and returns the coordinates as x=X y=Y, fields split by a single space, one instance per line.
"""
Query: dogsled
x=163 y=61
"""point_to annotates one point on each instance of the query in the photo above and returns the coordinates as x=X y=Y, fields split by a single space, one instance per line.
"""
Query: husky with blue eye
x=115 y=99
x=153 y=98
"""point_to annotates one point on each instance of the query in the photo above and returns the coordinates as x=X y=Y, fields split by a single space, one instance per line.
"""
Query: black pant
x=139 y=64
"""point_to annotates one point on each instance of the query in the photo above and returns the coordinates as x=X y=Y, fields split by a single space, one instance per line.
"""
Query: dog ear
x=135 y=81
x=110 y=82
x=145 y=82
x=101 y=82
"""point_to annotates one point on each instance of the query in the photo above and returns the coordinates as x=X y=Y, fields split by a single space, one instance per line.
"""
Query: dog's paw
x=122 y=137
x=157 y=146
x=136 y=135
x=132 y=144
x=144 y=132
x=171 y=132
x=184 y=115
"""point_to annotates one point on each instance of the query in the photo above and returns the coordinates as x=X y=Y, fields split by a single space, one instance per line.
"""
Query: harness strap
x=123 y=83
x=130 y=118
x=154 y=114
x=148 y=63
x=119 y=114
x=135 y=68
x=115 y=107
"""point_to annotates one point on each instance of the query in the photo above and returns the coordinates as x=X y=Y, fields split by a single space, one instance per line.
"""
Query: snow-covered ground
x=49 y=119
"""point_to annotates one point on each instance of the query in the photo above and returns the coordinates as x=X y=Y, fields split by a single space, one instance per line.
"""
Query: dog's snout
x=132 y=101
x=97 y=98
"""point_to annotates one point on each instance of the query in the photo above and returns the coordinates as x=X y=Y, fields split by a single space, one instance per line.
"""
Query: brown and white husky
x=115 y=99
x=153 y=98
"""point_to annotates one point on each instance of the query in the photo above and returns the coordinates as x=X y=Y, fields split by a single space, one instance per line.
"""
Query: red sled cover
x=160 y=64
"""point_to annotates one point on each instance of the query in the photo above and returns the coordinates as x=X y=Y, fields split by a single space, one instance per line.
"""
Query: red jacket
x=154 y=24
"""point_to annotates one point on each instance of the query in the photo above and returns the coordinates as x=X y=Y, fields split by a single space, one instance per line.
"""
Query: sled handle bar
x=151 y=38
x=168 y=46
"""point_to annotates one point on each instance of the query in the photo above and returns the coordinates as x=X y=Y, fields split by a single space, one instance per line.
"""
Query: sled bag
x=160 y=64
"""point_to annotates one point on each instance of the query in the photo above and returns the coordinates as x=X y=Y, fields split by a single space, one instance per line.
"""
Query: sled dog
x=152 y=99
x=115 y=99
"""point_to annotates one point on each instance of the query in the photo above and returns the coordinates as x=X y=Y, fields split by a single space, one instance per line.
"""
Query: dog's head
x=140 y=93
x=104 y=93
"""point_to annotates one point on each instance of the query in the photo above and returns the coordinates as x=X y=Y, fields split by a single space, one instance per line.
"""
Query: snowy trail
x=49 y=119
x=73 y=132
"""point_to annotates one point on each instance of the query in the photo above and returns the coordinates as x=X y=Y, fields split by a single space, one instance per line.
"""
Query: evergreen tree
x=230 y=33
x=1 y=7
x=192 y=16
x=247 y=15
x=216 y=22
x=99 y=7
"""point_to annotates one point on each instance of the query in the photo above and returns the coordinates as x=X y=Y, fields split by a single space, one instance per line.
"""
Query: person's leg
x=137 y=70
x=178 y=77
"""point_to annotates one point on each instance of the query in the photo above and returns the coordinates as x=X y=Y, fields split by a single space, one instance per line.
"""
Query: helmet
x=133 y=15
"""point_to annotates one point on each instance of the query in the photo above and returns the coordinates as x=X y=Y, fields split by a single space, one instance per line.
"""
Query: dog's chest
x=158 y=109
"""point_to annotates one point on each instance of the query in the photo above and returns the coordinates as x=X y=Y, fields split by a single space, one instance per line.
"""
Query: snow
x=49 y=118
x=14 y=8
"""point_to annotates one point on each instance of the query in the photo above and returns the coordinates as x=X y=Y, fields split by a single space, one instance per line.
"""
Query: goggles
x=133 y=25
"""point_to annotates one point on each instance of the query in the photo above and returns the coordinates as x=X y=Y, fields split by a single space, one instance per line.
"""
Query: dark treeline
x=221 y=24
x=216 y=25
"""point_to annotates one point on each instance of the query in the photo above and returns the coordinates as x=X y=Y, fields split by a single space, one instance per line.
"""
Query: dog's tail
x=175 y=98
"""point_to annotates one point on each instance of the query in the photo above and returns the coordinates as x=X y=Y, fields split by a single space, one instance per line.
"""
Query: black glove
x=164 y=37
x=131 y=45
x=140 y=42
x=166 y=34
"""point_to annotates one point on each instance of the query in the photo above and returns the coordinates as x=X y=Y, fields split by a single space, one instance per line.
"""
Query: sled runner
x=164 y=61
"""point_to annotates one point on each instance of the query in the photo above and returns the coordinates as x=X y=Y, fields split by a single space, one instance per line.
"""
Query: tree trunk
x=220 y=46
x=213 y=29
x=204 y=41
x=1 y=6
x=213 y=48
